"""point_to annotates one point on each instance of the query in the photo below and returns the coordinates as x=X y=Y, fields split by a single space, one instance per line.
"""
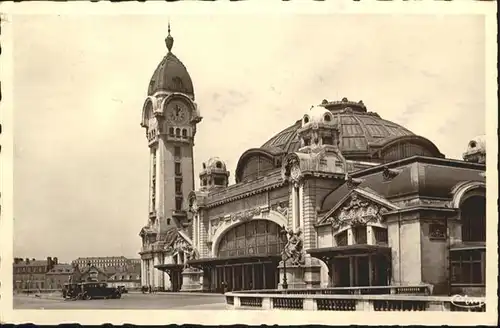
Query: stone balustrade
x=365 y=290
x=351 y=302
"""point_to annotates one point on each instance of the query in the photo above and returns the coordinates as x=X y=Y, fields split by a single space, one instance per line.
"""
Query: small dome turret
x=476 y=150
x=318 y=115
x=214 y=174
x=318 y=128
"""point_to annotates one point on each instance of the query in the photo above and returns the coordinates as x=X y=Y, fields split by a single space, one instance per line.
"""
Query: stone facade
x=340 y=198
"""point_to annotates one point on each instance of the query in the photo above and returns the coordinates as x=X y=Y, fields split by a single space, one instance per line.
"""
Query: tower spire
x=169 y=40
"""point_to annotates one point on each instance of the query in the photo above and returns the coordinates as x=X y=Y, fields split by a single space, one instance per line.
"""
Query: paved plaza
x=160 y=301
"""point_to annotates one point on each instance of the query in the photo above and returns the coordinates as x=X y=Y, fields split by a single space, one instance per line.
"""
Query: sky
x=81 y=157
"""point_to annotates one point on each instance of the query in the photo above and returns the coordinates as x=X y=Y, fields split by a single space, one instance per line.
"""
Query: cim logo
x=465 y=301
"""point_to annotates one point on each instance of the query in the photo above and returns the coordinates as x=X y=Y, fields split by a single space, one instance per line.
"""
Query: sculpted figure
x=294 y=248
x=189 y=254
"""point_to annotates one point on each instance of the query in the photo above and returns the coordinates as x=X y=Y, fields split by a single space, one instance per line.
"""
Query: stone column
x=350 y=236
x=370 y=235
x=295 y=209
x=143 y=270
x=157 y=272
x=301 y=206
x=151 y=272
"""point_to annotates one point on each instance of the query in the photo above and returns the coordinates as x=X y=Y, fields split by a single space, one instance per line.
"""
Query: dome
x=317 y=114
x=171 y=75
x=214 y=164
x=364 y=136
x=361 y=132
x=476 y=150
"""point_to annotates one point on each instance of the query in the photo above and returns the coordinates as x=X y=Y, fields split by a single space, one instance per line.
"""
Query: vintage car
x=89 y=290
x=123 y=289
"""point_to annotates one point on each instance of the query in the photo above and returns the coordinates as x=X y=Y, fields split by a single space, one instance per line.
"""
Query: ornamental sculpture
x=389 y=174
x=293 y=250
x=190 y=253
x=245 y=215
x=290 y=162
x=241 y=216
x=357 y=212
x=282 y=208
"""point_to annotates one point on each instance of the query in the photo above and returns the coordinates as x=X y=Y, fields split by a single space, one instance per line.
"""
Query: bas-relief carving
x=437 y=231
x=241 y=216
x=281 y=208
x=357 y=212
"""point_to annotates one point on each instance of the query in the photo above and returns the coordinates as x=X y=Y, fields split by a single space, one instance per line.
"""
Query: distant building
x=128 y=275
x=30 y=274
x=90 y=273
x=102 y=262
x=105 y=261
x=58 y=276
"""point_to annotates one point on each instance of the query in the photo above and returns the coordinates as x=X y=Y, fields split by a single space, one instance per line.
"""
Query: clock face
x=177 y=112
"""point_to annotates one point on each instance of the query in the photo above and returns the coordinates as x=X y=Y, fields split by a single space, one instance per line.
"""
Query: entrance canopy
x=169 y=267
x=348 y=250
x=205 y=262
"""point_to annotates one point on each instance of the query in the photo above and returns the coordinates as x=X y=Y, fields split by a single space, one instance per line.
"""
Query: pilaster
x=203 y=234
x=309 y=214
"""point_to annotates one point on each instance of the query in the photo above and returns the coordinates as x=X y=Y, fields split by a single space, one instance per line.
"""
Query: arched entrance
x=247 y=257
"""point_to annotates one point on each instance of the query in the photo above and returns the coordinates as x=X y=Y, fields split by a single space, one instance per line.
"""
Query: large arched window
x=473 y=217
x=468 y=265
x=258 y=237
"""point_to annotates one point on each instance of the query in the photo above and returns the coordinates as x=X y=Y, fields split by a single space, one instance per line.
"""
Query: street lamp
x=283 y=256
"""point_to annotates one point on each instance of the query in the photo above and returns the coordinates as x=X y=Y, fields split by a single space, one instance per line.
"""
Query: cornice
x=420 y=159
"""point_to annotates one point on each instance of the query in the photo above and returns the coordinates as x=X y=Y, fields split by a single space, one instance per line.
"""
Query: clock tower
x=170 y=116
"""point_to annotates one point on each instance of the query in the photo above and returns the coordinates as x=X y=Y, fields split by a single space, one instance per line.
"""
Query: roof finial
x=169 y=40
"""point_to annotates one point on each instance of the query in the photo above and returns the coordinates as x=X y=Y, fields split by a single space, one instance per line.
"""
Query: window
x=177 y=132
x=467 y=267
x=254 y=237
x=380 y=235
x=178 y=204
x=204 y=182
x=178 y=186
x=218 y=165
x=171 y=131
x=184 y=133
x=341 y=238
x=219 y=181
x=307 y=141
x=178 y=169
x=327 y=141
x=168 y=221
x=177 y=151
x=473 y=217
x=359 y=234
x=327 y=118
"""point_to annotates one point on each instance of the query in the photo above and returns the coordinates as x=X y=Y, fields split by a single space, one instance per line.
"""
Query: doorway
x=244 y=276
x=362 y=271
x=342 y=272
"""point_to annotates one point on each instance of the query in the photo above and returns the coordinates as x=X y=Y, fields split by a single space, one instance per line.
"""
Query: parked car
x=90 y=290
x=122 y=289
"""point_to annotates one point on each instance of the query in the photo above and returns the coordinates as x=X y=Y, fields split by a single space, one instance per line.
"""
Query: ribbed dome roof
x=171 y=75
x=361 y=132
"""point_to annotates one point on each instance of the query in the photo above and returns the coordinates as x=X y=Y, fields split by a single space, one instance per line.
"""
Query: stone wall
x=404 y=237
x=325 y=236
x=434 y=250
